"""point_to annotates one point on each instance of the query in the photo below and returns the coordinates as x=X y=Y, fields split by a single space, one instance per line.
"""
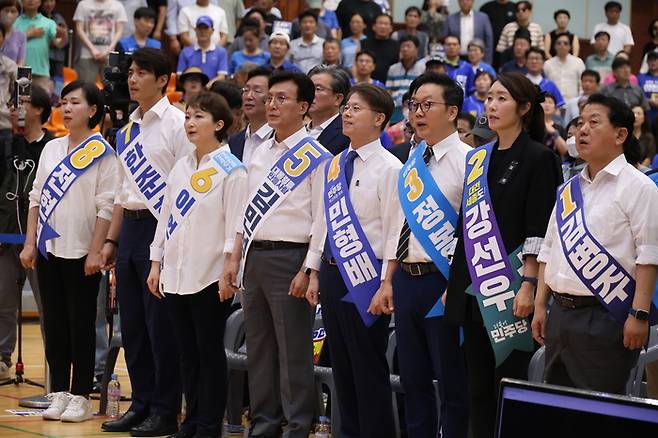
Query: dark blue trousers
x=358 y=358
x=146 y=330
x=428 y=349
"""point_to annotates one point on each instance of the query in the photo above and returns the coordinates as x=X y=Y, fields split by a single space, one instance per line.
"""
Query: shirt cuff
x=156 y=253
x=531 y=246
x=544 y=253
x=647 y=255
x=228 y=245
x=313 y=260
x=105 y=214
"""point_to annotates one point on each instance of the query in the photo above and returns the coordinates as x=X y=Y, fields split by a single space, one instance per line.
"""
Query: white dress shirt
x=620 y=206
x=566 y=75
x=447 y=167
x=466 y=30
x=253 y=140
x=374 y=195
x=88 y=198
x=193 y=258
x=315 y=132
x=162 y=134
x=293 y=219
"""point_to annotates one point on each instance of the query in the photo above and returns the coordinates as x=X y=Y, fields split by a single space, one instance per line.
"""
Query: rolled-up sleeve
x=106 y=187
x=644 y=225
x=235 y=197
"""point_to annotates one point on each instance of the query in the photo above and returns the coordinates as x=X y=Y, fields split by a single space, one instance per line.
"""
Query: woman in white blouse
x=77 y=174
x=195 y=234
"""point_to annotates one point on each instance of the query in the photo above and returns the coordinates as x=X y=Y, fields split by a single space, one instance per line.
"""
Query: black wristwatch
x=112 y=242
x=639 y=314
x=306 y=270
x=531 y=280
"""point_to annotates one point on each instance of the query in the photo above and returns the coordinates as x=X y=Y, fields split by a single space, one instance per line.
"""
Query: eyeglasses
x=353 y=109
x=424 y=106
x=246 y=90
x=279 y=100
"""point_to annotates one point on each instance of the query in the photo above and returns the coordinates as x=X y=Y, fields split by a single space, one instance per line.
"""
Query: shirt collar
x=367 y=150
x=444 y=146
x=262 y=132
x=326 y=123
x=295 y=138
x=210 y=48
x=613 y=168
x=314 y=41
x=156 y=110
x=470 y=13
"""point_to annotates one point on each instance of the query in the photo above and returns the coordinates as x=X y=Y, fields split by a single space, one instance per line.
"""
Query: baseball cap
x=281 y=36
x=436 y=59
x=205 y=21
x=482 y=129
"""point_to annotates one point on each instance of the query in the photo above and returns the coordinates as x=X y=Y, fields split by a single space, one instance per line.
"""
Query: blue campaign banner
x=495 y=282
x=596 y=268
x=12 y=239
x=349 y=244
x=74 y=165
x=430 y=216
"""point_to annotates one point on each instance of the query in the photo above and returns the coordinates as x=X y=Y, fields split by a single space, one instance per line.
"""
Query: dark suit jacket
x=236 y=143
x=481 y=29
x=401 y=151
x=332 y=137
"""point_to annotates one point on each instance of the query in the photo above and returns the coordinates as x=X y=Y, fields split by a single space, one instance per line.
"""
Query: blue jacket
x=333 y=138
x=481 y=30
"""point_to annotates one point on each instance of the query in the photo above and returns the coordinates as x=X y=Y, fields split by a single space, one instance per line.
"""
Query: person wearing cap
x=402 y=73
x=519 y=48
x=193 y=81
x=364 y=66
x=189 y=17
x=474 y=104
x=204 y=54
x=649 y=83
x=621 y=36
x=436 y=64
x=428 y=348
x=306 y=51
x=279 y=45
x=475 y=54
x=468 y=24
x=481 y=133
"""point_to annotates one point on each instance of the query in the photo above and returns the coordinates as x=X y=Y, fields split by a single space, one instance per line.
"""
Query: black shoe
x=127 y=421
x=155 y=425
x=183 y=434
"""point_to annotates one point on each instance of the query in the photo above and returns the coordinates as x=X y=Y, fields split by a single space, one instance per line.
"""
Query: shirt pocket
x=365 y=201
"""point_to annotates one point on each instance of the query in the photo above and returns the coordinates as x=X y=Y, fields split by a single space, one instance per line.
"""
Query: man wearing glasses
x=428 y=349
x=523 y=15
x=331 y=87
x=285 y=186
x=254 y=96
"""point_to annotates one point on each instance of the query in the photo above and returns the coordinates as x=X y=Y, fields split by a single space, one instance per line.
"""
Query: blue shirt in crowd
x=550 y=87
x=462 y=73
x=649 y=84
x=512 y=66
x=213 y=61
x=129 y=44
x=473 y=105
x=239 y=58
x=286 y=66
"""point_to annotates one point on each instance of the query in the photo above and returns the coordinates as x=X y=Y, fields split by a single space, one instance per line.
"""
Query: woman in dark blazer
x=523 y=175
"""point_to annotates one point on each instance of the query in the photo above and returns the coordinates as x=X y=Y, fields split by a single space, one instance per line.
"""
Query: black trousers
x=484 y=378
x=199 y=321
x=146 y=331
x=585 y=349
x=69 y=313
x=358 y=358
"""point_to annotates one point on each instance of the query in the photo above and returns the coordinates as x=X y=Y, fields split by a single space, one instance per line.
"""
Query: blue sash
x=143 y=175
x=284 y=177
x=495 y=279
x=74 y=165
x=349 y=244
x=596 y=268
x=200 y=184
x=430 y=215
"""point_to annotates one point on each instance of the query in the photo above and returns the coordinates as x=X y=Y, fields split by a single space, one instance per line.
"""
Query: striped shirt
x=507 y=36
x=398 y=81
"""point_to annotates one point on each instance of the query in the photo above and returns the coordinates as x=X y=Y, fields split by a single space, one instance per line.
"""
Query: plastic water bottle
x=323 y=428
x=113 y=397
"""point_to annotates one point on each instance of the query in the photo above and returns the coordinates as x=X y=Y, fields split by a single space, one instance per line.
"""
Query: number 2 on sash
x=201 y=181
x=415 y=185
x=303 y=155
x=85 y=155
x=568 y=206
x=477 y=159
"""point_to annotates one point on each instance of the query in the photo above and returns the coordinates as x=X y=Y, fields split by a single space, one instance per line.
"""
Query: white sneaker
x=79 y=409
x=60 y=401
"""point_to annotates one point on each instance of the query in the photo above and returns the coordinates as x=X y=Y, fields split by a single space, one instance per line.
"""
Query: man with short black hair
x=385 y=49
x=534 y=61
x=401 y=74
x=144 y=22
x=621 y=36
x=523 y=15
x=500 y=12
x=564 y=68
x=589 y=84
x=622 y=88
x=279 y=46
x=649 y=83
x=367 y=9
x=468 y=24
x=457 y=68
x=306 y=51
x=519 y=48
x=601 y=60
x=599 y=259
x=332 y=85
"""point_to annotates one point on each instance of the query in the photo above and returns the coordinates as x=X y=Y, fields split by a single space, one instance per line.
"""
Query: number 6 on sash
x=200 y=181
x=303 y=155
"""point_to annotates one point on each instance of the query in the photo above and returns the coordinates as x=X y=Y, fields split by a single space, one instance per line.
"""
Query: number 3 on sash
x=303 y=155
x=415 y=185
x=200 y=181
x=85 y=155
x=477 y=159
x=568 y=206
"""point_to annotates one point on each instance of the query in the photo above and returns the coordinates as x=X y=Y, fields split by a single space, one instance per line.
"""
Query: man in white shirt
x=428 y=349
x=331 y=87
x=190 y=14
x=564 y=68
x=148 y=341
x=306 y=51
x=621 y=37
x=278 y=319
x=597 y=327
x=254 y=96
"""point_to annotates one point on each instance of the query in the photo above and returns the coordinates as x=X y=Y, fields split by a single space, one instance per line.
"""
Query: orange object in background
x=69 y=75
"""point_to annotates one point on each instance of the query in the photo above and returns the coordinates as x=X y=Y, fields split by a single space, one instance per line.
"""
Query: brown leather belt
x=418 y=269
x=271 y=245
x=575 y=301
x=137 y=214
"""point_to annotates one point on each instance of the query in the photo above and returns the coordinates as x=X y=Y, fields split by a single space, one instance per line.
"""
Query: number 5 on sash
x=303 y=155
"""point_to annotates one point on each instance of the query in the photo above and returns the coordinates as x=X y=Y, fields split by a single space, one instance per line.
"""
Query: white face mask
x=571 y=147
